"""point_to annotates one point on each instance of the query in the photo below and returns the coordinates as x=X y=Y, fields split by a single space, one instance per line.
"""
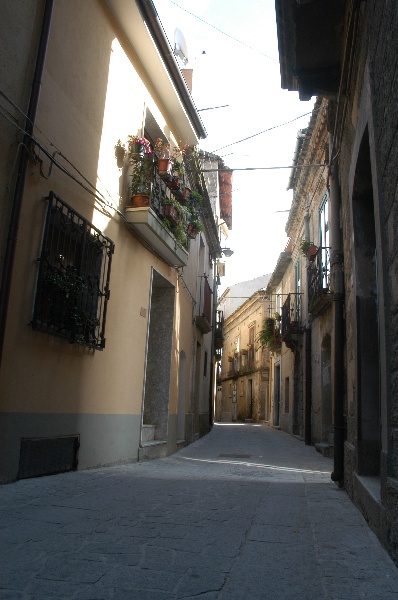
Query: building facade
x=106 y=343
x=244 y=372
x=346 y=52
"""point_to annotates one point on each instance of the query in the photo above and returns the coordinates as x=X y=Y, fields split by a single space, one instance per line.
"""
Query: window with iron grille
x=73 y=279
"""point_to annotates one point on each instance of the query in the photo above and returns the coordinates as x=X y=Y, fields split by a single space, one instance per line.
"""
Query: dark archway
x=367 y=338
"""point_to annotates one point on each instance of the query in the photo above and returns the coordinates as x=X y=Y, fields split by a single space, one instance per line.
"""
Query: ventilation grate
x=47 y=456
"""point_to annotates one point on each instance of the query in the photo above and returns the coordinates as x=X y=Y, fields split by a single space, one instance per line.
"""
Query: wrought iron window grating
x=73 y=280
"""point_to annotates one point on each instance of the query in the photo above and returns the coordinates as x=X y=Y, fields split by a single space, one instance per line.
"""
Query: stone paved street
x=246 y=512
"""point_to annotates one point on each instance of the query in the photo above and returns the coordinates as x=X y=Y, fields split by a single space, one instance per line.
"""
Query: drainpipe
x=213 y=363
x=336 y=263
x=307 y=357
x=21 y=175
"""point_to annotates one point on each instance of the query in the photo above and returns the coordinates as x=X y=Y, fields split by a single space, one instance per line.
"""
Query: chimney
x=187 y=74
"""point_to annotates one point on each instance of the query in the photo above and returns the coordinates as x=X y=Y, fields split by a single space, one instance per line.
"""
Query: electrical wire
x=92 y=190
x=265 y=130
x=262 y=168
x=223 y=32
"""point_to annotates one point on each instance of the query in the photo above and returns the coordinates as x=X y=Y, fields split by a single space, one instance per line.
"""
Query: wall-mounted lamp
x=227 y=252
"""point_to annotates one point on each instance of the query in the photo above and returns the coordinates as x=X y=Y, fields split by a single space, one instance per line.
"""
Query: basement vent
x=47 y=456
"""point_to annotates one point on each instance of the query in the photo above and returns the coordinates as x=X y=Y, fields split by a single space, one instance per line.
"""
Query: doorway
x=277 y=395
x=158 y=365
x=367 y=334
x=181 y=397
x=326 y=390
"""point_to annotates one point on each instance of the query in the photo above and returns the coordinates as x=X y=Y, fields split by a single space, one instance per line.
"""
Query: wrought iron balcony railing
x=165 y=214
x=292 y=324
x=291 y=313
x=319 y=281
x=203 y=317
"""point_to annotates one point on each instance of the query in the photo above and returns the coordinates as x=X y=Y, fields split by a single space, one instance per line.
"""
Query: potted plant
x=308 y=249
x=164 y=161
x=269 y=334
x=141 y=182
x=171 y=210
x=195 y=199
x=120 y=152
x=138 y=146
x=180 y=233
x=194 y=225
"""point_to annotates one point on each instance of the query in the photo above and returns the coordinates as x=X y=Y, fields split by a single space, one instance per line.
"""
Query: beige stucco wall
x=94 y=92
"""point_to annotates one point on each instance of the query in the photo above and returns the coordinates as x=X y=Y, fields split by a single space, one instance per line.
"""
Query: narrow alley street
x=245 y=512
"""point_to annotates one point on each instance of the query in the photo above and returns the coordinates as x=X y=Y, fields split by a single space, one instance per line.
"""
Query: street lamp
x=227 y=252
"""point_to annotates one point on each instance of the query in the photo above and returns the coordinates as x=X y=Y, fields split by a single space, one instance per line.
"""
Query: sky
x=243 y=73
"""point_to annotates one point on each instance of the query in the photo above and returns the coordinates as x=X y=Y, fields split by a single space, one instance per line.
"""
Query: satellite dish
x=180 y=46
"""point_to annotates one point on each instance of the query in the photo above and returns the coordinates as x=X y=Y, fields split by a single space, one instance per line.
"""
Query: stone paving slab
x=247 y=512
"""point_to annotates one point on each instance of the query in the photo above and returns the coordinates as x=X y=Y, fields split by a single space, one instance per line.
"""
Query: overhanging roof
x=310 y=36
x=141 y=25
x=283 y=262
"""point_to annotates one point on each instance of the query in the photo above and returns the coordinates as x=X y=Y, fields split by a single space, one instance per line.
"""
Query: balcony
x=203 y=317
x=292 y=326
x=166 y=233
x=319 y=295
x=218 y=331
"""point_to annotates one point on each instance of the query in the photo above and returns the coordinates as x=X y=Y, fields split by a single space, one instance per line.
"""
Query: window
x=324 y=241
x=295 y=315
x=251 y=349
x=73 y=279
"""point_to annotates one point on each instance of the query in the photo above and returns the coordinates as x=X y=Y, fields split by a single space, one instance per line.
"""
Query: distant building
x=244 y=371
x=238 y=293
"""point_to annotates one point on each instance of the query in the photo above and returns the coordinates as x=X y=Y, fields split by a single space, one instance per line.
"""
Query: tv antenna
x=180 y=46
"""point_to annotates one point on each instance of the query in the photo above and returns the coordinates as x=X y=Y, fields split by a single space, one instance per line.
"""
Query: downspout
x=213 y=363
x=307 y=355
x=338 y=321
x=12 y=238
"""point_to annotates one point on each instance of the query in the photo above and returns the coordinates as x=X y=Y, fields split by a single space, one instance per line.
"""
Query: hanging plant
x=308 y=249
x=120 y=153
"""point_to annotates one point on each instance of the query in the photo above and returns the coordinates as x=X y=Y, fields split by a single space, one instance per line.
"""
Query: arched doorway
x=366 y=306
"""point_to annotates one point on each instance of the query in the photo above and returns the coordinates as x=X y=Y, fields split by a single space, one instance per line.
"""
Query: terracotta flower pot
x=191 y=231
x=171 y=213
x=140 y=200
x=312 y=252
x=165 y=166
x=186 y=192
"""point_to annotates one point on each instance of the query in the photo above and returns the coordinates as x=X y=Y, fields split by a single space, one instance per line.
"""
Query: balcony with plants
x=164 y=208
x=292 y=326
x=270 y=334
x=319 y=293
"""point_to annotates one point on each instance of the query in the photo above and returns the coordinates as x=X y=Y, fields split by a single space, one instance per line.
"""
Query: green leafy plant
x=120 y=152
x=195 y=199
x=269 y=334
x=141 y=177
x=162 y=148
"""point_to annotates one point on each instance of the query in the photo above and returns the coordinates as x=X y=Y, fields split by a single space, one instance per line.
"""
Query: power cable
x=223 y=32
x=265 y=130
